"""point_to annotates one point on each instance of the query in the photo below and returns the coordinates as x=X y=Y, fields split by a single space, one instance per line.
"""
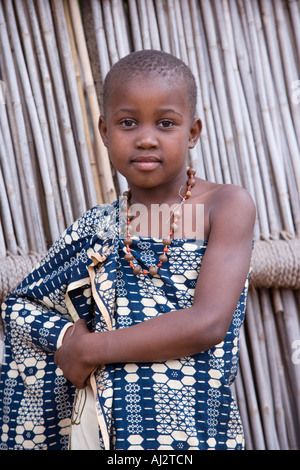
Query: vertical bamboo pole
x=107 y=184
x=52 y=116
x=135 y=27
x=261 y=372
x=83 y=105
x=71 y=154
x=276 y=163
x=199 y=154
x=36 y=86
x=23 y=143
x=246 y=371
x=76 y=114
x=274 y=366
x=294 y=8
x=3 y=249
x=288 y=54
x=9 y=124
x=103 y=55
x=244 y=66
x=203 y=73
x=43 y=159
x=121 y=30
x=163 y=25
x=109 y=27
x=6 y=218
x=13 y=199
x=144 y=25
x=281 y=92
x=209 y=23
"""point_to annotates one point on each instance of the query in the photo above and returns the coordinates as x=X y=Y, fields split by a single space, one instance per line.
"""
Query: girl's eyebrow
x=168 y=110
x=159 y=111
x=125 y=110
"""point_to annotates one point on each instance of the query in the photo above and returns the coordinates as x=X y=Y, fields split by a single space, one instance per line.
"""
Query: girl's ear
x=103 y=130
x=195 y=132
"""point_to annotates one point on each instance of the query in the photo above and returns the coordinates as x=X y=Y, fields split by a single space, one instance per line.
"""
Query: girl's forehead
x=150 y=80
x=146 y=87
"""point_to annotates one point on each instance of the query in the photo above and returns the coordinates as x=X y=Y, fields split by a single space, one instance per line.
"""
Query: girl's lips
x=146 y=163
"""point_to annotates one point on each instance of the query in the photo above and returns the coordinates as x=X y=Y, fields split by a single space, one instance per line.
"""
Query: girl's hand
x=71 y=358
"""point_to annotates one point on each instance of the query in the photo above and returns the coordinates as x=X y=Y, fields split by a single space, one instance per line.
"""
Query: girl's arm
x=36 y=311
x=185 y=332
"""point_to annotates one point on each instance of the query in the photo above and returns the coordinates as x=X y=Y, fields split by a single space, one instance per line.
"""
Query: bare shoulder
x=232 y=195
x=232 y=207
x=228 y=208
x=219 y=196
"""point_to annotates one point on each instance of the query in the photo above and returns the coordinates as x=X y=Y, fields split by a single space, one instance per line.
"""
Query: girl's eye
x=127 y=123
x=165 y=124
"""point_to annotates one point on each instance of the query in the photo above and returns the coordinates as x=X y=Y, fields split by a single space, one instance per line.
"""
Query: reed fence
x=245 y=56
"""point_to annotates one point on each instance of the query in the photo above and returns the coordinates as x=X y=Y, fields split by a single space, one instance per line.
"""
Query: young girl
x=145 y=327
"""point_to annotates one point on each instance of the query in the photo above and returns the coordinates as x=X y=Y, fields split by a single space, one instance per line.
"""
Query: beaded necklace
x=166 y=241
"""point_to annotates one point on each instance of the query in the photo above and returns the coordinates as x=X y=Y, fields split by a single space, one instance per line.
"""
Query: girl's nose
x=146 y=139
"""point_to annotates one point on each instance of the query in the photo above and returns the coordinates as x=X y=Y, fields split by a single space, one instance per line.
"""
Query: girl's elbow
x=210 y=334
x=212 y=338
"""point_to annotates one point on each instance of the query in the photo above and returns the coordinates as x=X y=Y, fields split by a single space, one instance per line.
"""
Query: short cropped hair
x=157 y=63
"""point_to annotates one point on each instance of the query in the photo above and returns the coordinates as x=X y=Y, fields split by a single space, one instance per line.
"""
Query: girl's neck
x=168 y=193
x=153 y=196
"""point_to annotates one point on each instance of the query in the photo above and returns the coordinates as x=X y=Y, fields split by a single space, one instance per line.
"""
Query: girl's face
x=148 y=130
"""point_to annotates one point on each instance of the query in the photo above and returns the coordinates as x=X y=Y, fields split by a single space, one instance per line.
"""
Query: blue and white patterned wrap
x=178 y=404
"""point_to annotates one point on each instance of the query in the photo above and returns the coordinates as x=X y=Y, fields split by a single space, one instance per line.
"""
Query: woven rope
x=13 y=268
x=276 y=264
